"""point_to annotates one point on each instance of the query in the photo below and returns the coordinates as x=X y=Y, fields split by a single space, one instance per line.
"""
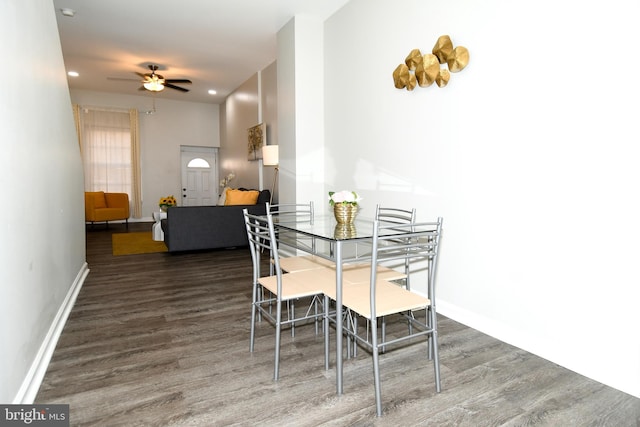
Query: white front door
x=199 y=175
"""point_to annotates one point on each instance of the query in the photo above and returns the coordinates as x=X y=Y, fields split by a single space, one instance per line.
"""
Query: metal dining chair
x=296 y=212
x=277 y=288
x=378 y=298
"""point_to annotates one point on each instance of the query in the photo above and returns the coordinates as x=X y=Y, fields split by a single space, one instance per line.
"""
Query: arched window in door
x=198 y=163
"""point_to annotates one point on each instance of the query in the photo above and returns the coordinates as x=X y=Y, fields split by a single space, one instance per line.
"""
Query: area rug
x=136 y=243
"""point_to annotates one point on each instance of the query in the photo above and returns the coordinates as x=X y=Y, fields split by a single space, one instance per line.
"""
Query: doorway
x=199 y=167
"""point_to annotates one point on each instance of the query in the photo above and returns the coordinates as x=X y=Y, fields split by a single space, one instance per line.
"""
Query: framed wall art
x=257 y=138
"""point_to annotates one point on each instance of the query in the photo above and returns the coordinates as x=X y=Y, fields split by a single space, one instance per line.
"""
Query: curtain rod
x=102 y=108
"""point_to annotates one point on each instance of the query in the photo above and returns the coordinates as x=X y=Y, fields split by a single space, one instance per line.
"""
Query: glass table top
x=326 y=227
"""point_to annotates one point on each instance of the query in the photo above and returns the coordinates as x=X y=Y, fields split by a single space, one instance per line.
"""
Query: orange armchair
x=100 y=206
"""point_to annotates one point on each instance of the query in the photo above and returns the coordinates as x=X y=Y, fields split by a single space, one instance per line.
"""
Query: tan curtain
x=136 y=188
x=106 y=148
x=76 y=118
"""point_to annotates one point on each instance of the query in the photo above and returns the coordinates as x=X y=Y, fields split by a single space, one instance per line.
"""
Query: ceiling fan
x=155 y=82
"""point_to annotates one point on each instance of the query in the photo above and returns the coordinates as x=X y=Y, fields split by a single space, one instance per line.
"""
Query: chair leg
x=430 y=339
x=325 y=325
x=354 y=353
x=434 y=344
x=383 y=333
x=276 y=369
x=315 y=312
x=292 y=315
x=253 y=318
x=376 y=366
x=349 y=321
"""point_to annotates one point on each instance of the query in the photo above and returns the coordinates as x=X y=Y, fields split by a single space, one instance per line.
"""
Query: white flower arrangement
x=345 y=197
x=227 y=179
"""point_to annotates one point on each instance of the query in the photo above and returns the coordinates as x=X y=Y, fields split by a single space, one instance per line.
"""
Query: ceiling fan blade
x=175 y=87
x=184 y=81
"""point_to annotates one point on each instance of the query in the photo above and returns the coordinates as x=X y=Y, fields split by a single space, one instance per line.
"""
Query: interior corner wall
x=528 y=155
x=240 y=113
x=42 y=252
x=301 y=110
x=286 y=82
x=269 y=103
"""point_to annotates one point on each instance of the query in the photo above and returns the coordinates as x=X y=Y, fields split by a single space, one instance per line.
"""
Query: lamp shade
x=270 y=155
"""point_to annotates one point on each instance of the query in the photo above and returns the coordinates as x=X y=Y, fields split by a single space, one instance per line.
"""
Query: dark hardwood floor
x=163 y=340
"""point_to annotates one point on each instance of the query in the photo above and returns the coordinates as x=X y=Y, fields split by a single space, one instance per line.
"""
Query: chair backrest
x=395 y=215
x=413 y=242
x=292 y=212
x=398 y=216
x=261 y=236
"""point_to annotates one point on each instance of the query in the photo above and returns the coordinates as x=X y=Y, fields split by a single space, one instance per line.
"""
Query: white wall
x=530 y=155
x=42 y=249
x=301 y=110
x=173 y=124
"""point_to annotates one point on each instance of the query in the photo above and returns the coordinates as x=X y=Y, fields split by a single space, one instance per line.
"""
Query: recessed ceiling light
x=68 y=12
x=73 y=74
x=212 y=92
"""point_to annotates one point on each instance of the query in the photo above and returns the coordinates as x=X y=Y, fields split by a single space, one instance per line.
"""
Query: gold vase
x=345 y=231
x=345 y=213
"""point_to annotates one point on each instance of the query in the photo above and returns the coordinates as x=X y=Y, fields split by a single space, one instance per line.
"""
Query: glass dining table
x=340 y=243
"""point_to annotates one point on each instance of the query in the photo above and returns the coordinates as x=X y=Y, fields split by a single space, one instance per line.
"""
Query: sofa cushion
x=239 y=197
x=264 y=197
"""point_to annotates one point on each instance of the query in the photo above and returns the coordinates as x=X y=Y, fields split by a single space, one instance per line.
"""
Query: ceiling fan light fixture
x=153 y=86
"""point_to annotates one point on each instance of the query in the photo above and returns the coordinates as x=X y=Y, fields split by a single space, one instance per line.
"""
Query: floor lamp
x=270 y=158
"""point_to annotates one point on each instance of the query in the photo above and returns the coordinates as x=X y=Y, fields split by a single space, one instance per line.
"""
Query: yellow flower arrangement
x=166 y=202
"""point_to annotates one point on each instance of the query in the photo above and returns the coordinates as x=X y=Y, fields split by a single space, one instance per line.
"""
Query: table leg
x=338 y=255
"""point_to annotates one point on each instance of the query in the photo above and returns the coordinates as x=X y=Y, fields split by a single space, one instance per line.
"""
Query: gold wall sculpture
x=427 y=70
x=458 y=59
x=437 y=66
x=443 y=48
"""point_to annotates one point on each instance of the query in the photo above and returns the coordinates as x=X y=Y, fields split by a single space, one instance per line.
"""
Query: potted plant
x=167 y=202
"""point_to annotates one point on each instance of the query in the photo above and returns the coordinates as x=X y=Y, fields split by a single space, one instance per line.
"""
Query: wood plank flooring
x=163 y=340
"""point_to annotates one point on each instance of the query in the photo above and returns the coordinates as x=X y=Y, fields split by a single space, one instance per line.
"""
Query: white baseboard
x=31 y=384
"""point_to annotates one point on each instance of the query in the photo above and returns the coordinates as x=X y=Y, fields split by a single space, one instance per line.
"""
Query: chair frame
x=293 y=212
x=420 y=242
x=261 y=236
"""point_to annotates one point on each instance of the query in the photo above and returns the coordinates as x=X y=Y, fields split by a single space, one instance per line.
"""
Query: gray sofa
x=191 y=228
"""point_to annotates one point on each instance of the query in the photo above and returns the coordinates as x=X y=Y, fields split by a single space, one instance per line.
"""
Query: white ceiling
x=217 y=44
